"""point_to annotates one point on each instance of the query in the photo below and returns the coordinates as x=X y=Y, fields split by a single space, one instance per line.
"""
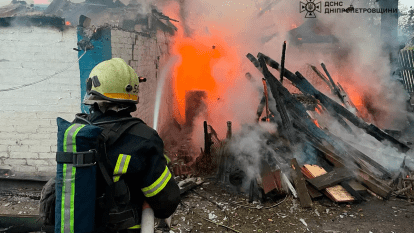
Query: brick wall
x=141 y=52
x=28 y=115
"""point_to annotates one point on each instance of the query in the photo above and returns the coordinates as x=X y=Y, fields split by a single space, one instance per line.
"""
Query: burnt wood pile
x=343 y=173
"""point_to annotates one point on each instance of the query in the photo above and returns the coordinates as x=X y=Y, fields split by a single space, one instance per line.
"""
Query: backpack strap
x=78 y=159
x=115 y=129
x=111 y=133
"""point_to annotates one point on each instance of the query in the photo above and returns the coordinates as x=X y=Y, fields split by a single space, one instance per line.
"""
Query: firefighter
x=137 y=155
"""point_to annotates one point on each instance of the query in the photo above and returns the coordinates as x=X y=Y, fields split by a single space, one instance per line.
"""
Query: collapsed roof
x=16 y=8
x=312 y=31
x=132 y=17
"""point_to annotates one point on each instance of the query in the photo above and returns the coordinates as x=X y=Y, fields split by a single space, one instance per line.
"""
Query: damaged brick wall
x=28 y=115
x=146 y=54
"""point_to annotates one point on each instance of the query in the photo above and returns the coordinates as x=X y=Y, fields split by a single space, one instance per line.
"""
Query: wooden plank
x=272 y=181
x=353 y=192
x=313 y=193
x=375 y=185
x=356 y=154
x=300 y=184
x=331 y=178
x=336 y=193
x=358 y=187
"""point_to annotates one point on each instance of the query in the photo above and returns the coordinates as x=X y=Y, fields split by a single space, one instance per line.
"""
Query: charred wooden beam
x=358 y=154
x=320 y=75
x=279 y=97
x=290 y=101
x=252 y=190
x=335 y=88
x=207 y=140
x=342 y=122
x=266 y=96
x=336 y=192
x=228 y=134
x=304 y=198
x=304 y=86
x=377 y=186
x=347 y=99
x=313 y=193
x=353 y=192
x=300 y=118
x=282 y=62
x=331 y=178
x=358 y=187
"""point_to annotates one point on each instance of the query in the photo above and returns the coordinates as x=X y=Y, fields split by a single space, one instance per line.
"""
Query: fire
x=67 y=23
x=294 y=26
x=355 y=95
x=355 y=98
x=200 y=56
x=316 y=123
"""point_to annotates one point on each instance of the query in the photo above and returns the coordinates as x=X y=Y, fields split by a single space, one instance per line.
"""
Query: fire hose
x=148 y=219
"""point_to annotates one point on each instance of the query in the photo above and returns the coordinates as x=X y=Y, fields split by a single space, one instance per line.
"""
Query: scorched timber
x=304 y=86
x=315 y=135
x=331 y=178
x=365 y=177
x=320 y=75
x=301 y=120
x=304 y=198
x=356 y=154
x=335 y=88
x=280 y=98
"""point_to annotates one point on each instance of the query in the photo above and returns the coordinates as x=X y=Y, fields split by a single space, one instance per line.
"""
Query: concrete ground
x=210 y=208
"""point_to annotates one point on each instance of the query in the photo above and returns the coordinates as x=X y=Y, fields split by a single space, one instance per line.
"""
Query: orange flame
x=355 y=95
x=316 y=123
x=200 y=55
x=355 y=98
x=67 y=23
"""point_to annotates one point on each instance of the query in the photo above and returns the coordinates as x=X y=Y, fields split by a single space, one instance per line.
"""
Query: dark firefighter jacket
x=138 y=156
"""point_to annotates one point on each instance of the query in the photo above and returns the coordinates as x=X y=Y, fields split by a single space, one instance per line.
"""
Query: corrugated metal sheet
x=406 y=58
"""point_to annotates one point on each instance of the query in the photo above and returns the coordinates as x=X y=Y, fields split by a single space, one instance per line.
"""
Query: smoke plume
x=356 y=60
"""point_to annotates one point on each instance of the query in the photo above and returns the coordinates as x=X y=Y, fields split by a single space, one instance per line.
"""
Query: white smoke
x=356 y=60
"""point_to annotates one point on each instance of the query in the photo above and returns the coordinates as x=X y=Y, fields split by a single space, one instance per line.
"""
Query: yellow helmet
x=114 y=80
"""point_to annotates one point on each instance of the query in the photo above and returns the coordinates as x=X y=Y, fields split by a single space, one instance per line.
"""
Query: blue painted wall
x=102 y=51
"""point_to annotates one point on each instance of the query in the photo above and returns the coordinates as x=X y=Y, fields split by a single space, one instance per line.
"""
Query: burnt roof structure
x=16 y=8
x=33 y=20
x=134 y=17
x=311 y=31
